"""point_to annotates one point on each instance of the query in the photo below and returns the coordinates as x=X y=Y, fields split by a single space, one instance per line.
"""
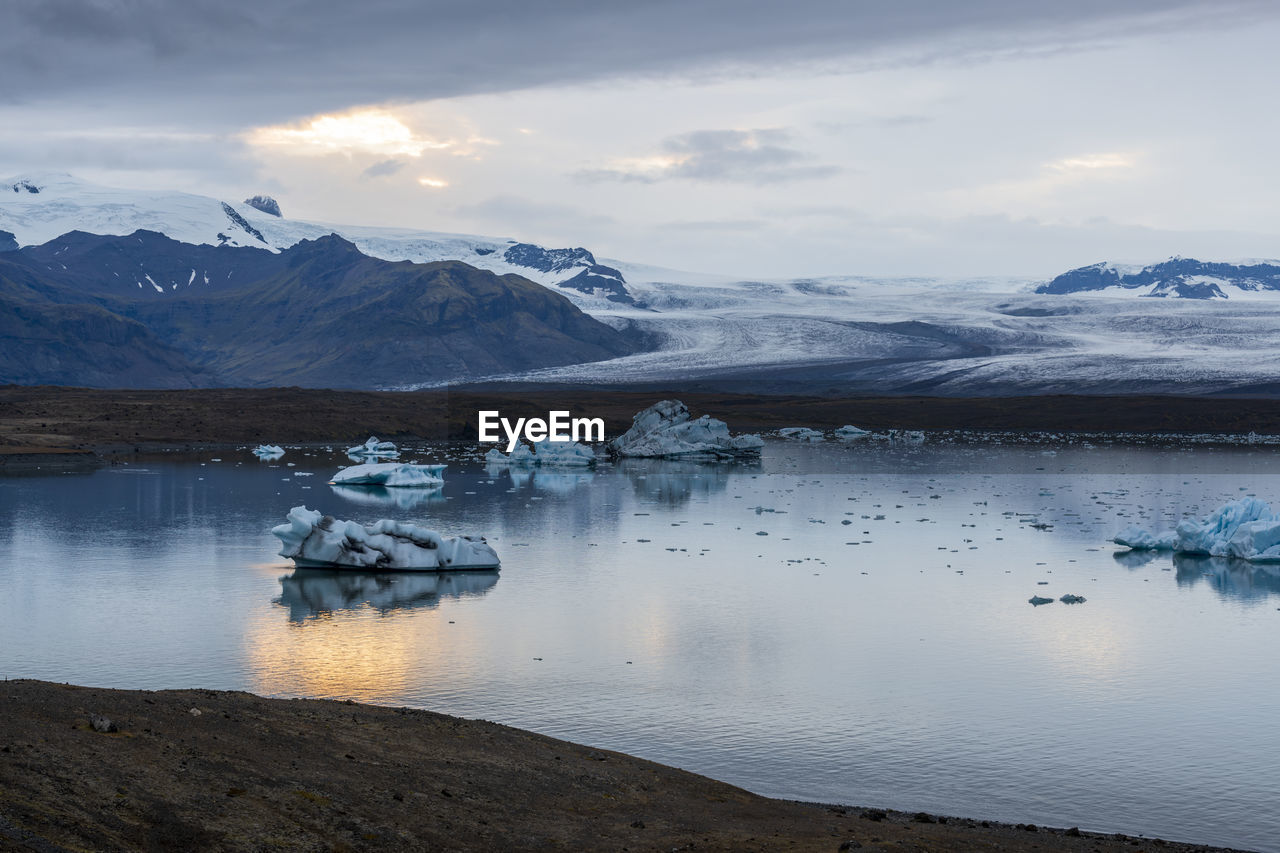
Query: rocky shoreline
x=94 y=768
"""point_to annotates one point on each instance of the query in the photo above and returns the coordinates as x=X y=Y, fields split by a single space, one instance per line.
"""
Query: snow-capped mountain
x=831 y=335
x=144 y=310
x=37 y=208
x=1177 y=278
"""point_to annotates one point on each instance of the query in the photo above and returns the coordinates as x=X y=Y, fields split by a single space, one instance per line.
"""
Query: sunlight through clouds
x=370 y=131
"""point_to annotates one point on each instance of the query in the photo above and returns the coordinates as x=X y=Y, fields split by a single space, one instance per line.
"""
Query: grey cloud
x=734 y=156
x=383 y=168
x=244 y=61
x=519 y=212
x=715 y=225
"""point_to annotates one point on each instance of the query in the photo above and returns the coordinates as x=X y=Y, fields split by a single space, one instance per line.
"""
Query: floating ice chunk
x=1246 y=529
x=908 y=436
x=374 y=449
x=800 y=433
x=1072 y=599
x=310 y=539
x=1037 y=600
x=391 y=474
x=1141 y=539
x=569 y=454
x=666 y=429
x=520 y=457
x=268 y=451
x=565 y=454
x=849 y=431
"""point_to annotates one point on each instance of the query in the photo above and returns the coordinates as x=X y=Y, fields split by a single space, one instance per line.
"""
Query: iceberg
x=568 y=454
x=800 y=433
x=666 y=429
x=391 y=474
x=314 y=540
x=374 y=449
x=1141 y=539
x=849 y=431
x=268 y=451
x=1246 y=529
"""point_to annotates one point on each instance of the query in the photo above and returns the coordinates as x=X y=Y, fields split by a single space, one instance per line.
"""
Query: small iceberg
x=667 y=430
x=391 y=475
x=849 y=431
x=1037 y=600
x=1072 y=599
x=268 y=451
x=314 y=540
x=374 y=449
x=565 y=454
x=800 y=434
x=1246 y=529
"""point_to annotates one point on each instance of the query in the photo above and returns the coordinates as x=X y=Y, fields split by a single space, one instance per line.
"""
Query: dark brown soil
x=207 y=770
x=37 y=419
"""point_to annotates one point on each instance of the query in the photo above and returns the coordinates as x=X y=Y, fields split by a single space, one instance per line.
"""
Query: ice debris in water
x=268 y=451
x=310 y=539
x=1072 y=599
x=374 y=449
x=1246 y=529
x=849 y=431
x=800 y=433
x=399 y=474
x=567 y=454
x=666 y=429
x=1037 y=600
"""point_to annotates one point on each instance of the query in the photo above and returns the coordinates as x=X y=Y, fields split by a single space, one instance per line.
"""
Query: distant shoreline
x=205 y=769
x=48 y=419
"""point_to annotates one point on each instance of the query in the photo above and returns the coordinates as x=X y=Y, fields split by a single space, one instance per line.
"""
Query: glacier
x=1247 y=529
x=666 y=429
x=969 y=337
x=391 y=474
x=312 y=539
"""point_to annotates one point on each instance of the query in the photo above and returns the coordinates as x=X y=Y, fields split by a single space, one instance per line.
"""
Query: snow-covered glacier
x=829 y=335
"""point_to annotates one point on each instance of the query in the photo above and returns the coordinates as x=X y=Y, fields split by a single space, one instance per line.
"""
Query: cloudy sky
x=880 y=137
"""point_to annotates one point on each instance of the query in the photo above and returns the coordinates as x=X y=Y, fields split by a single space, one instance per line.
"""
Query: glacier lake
x=844 y=623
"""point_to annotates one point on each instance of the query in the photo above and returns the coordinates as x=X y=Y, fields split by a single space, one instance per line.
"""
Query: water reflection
x=673 y=482
x=400 y=498
x=1136 y=559
x=314 y=592
x=560 y=481
x=1228 y=577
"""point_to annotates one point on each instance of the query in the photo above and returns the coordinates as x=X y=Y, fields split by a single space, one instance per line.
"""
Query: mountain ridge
x=319 y=314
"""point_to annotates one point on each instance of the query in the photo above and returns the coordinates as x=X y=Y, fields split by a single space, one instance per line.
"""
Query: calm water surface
x=837 y=623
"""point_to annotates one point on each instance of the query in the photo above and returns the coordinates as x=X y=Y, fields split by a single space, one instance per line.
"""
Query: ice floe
x=312 y=539
x=1246 y=529
x=391 y=475
x=666 y=429
x=374 y=449
x=800 y=433
x=849 y=431
x=268 y=451
x=566 y=454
